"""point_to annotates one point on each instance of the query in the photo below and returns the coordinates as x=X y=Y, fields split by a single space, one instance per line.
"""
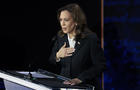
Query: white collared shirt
x=71 y=41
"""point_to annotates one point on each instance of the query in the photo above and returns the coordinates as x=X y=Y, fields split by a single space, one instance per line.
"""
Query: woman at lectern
x=77 y=49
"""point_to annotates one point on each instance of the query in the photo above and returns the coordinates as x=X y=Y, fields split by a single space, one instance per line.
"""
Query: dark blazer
x=86 y=63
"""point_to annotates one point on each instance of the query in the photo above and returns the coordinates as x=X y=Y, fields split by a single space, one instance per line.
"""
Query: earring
x=76 y=25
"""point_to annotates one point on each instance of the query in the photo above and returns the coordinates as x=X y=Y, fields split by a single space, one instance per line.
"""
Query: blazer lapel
x=78 y=45
x=65 y=39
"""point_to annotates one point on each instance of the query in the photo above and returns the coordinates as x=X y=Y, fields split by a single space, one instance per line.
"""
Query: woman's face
x=66 y=21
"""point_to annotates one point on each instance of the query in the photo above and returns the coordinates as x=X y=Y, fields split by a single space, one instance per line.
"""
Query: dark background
x=122 y=44
x=27 y=29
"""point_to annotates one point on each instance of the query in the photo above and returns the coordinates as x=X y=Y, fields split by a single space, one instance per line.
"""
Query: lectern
x=39 y=80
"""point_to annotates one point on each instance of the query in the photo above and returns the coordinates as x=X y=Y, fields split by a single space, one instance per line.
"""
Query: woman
x=76 y=49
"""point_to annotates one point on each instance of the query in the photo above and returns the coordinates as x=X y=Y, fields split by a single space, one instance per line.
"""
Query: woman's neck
x=71 y=35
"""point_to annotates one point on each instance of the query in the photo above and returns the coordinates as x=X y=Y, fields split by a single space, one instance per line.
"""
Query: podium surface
x=40 y=80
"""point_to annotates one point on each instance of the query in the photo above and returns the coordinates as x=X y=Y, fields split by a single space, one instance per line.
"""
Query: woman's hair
x=78 y=16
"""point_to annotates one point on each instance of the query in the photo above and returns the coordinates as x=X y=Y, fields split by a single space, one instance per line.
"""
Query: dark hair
x=78 y=16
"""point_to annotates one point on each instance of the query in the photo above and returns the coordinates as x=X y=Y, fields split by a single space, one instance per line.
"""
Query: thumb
x=64 y=45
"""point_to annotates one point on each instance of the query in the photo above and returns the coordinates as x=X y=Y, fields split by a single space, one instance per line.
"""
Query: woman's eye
x=66 y=19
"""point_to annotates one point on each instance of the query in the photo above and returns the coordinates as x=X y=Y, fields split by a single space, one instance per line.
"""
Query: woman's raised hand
x=64 y=52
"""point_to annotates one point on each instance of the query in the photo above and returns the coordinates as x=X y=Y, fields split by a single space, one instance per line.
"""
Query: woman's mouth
x=64 y=29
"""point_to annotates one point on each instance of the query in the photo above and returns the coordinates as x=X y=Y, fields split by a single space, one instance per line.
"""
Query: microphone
x=29 y=76
x=53 y=40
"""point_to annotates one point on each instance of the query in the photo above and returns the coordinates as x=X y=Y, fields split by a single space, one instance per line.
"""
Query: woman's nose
x=63 y=23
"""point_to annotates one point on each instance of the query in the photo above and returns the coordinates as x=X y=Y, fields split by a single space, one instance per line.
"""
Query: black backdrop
x=122 y=44
x=28 y=27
